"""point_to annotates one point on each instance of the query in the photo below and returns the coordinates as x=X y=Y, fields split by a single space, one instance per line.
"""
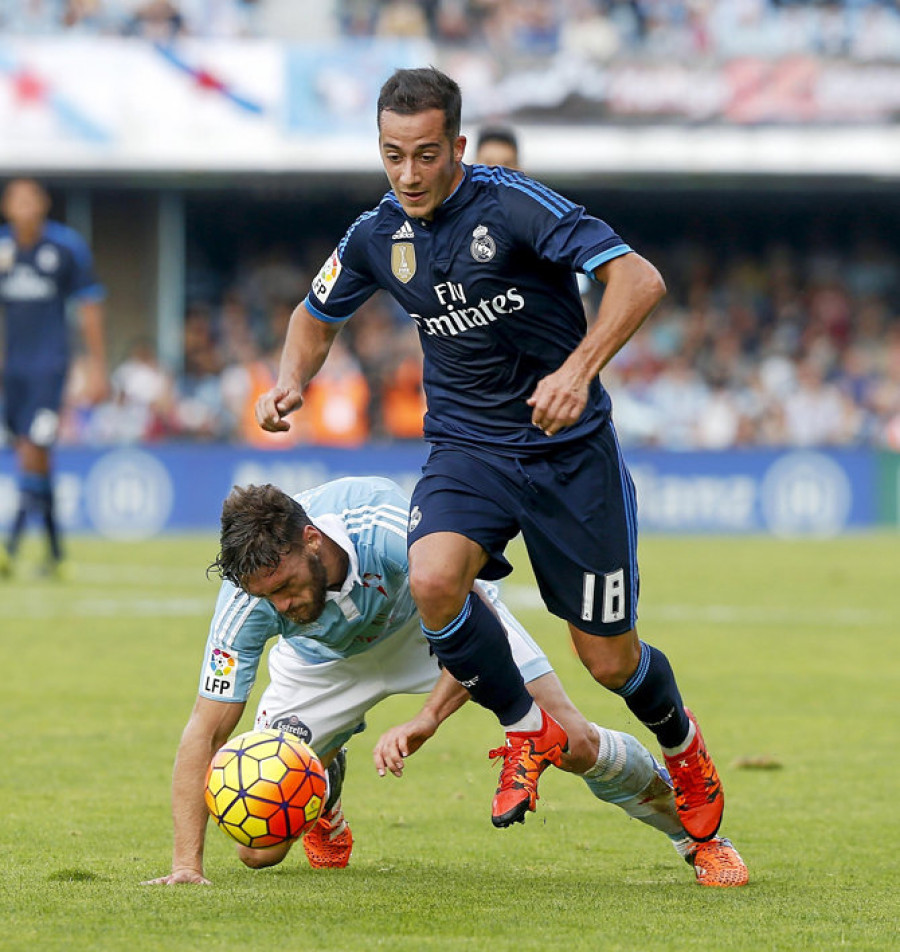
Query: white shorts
x=326 y=704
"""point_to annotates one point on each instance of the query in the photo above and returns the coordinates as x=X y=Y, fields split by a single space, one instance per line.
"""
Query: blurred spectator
x=336 y=403
x=498 y=145
x=401 y=18
x=403 y=396
x=257 y=371
x=155 y=20
x=816 y=413
x=142 y=404
x=200 y=412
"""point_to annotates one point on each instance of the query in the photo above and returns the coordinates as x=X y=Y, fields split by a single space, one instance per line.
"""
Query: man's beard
x=319 y=583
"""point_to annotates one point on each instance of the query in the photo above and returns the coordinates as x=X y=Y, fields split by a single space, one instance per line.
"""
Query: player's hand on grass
x=558 y=401
x=399 y=742
x=178 y=876
x=274 y=405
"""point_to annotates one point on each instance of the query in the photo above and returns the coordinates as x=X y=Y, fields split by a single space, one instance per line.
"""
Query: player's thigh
x=580 y=529
x=462 y=495
x=322 y=704
x=406 y=663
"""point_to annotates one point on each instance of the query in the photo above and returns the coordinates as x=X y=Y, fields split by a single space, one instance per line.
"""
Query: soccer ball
x=265 y=787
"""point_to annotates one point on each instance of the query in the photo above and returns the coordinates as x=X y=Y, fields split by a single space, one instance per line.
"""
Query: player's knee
x=260 y=859
x=438 y=595
x=612 y=672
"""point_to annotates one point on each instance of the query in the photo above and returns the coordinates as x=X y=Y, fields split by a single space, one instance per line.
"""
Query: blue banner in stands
x=138 y=492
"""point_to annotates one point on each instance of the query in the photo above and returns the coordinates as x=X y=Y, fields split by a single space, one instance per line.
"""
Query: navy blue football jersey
x=35 y=284
x=490 y=283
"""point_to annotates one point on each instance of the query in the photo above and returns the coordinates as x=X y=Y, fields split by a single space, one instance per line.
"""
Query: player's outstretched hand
x=274 y=405
x=399 y=742
x=178 y=876
x=558 y=401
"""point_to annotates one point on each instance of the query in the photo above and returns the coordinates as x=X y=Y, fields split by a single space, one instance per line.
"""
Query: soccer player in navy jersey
x=43 y=265
x=484 y=261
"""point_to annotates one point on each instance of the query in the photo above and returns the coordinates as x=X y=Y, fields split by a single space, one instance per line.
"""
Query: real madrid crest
x=403 y=261
x=47 y=258
x=483 y=247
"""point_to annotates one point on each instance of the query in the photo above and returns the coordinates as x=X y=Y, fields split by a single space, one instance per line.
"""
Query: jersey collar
x=333 y=526
x=458 y=196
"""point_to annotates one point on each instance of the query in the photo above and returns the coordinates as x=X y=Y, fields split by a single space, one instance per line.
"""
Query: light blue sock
x=627 y=774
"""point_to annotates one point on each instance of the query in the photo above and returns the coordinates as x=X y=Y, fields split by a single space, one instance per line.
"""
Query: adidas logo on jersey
x=404 y=231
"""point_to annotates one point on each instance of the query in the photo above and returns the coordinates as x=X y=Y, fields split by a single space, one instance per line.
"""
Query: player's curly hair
x=409 y=91
x=259 y=526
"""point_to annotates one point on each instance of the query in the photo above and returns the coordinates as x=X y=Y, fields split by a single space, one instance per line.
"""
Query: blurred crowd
x=780 y=349
x=153 y=19
x=508 y=30
x=369 y=389
x=604 y=29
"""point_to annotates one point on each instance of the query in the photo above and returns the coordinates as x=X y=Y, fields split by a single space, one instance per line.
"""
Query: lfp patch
x=324 y=280
x=220 y=674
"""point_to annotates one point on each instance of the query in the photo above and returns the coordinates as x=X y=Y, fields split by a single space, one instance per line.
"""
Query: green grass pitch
x=786 y=650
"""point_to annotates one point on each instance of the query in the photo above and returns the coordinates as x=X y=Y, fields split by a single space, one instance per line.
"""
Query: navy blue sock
x=29 y=501
x=45 y=506
x=653 y=697
x=475 y=650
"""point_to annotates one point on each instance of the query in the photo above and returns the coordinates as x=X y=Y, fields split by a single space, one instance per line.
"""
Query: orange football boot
x=526 y=755
x=718 y=863
x=698 y=791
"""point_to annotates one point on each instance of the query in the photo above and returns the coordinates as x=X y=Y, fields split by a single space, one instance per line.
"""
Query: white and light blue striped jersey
x=367 y=517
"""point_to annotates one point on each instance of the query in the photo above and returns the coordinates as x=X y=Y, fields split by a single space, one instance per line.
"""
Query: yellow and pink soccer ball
x=265 y=787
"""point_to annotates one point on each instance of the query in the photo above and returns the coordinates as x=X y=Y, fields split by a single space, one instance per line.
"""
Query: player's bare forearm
x=306 y=346
x=633 y=289
x=209 y=726
x=398 y=743
x=94 y=334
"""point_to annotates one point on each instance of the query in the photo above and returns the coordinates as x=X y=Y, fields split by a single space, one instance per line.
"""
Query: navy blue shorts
x=577 y=513
x=31 y=404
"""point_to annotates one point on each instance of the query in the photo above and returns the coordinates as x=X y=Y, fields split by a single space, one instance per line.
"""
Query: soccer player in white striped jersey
x=326 y=572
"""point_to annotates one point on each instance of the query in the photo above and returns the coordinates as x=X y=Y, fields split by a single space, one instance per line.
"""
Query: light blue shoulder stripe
x=321 y=316
x=232 y=617
x=365 y=216
x=564 y=204
x=551 y=200
x=605 y=256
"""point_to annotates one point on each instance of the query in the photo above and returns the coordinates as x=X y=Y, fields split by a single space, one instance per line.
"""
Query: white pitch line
x=63 y=602
x=526 y=597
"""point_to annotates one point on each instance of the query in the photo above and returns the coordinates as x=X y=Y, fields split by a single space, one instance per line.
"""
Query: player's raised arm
x=210 y=725
x=633 y=289
x=306 y=346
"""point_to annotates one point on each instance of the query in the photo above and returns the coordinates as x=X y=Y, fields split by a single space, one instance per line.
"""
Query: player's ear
x=312 y=539
x=459 y=148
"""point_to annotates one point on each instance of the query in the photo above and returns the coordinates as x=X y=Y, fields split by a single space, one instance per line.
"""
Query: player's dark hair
x=410 y=91
x=504 y=134
x=259 y=526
